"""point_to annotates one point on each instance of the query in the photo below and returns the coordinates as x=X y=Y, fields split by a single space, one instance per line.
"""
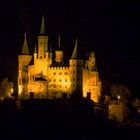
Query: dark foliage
x=58 y=119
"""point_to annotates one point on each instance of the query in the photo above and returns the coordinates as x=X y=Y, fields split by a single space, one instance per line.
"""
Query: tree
x=6 y=88
x=120 y=92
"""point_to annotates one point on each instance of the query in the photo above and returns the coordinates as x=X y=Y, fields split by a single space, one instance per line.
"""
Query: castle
x=42 y=76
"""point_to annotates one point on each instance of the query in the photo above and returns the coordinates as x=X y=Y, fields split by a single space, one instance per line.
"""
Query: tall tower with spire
x=23 y=61
x=42 y=41
x=76 y=66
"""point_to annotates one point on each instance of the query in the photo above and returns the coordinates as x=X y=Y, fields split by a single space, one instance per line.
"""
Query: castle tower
x=23 y=62
x=59 y=52
x=42 y=41
x=76 y=66
x=42 y=54
x=91 y=81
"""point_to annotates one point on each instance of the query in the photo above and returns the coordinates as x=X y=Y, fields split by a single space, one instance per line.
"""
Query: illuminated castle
x=45 y=78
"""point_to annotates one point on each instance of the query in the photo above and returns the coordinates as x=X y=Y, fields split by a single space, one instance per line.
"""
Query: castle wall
x=60 y=79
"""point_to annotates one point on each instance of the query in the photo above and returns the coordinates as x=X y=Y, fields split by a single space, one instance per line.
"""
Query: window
x=65 y=80
x=66 y=73
x=60 y=80
x=60 y=86
x=54 y=80
x=65 y=86
x=54 y=73
x=73 y=79
x=60 y=73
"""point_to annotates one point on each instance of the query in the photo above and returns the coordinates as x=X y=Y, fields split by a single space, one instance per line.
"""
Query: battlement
x=58 y=68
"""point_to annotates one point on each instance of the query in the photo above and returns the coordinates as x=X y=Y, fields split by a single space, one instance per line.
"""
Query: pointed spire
x=59 y=40
x=25 y=49
x=42 y=29
x=74 y=54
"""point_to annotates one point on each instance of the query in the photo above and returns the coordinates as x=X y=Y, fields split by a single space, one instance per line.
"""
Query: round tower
x=23 y=62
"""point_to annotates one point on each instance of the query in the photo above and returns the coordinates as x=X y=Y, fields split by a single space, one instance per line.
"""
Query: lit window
x=54 y=73
x=66 y=73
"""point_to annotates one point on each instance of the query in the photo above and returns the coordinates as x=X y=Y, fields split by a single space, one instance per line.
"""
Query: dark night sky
x=110 y=29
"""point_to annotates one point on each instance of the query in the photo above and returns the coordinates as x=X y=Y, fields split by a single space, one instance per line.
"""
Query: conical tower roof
x=43 y=29
x=74 y=54
x=25 y=49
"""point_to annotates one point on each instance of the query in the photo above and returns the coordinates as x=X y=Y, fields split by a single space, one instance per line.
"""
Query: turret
x=59 y=52
x=23 y=62
x=76 y=70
